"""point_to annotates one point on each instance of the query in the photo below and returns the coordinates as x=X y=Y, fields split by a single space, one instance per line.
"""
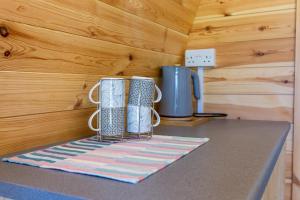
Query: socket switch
x=200 y=58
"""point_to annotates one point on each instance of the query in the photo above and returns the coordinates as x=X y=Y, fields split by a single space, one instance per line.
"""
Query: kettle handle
x=196 y=83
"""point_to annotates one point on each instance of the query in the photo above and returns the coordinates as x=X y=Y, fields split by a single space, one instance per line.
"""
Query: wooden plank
x=24 y=93
x=192 y=5
x=257 y=26
x=296 y=156
x=251 y=52
x=269 y=80
x=290 y=140
x=264 y=65
x=253 y=107
x=35 y=49
x=167 y=12
x=192 y=121
x=175 y=43
x=288 y=189
x=288 y=164
x=275 y=187
x=211 y=9
x=93 y=19
x=26 y=132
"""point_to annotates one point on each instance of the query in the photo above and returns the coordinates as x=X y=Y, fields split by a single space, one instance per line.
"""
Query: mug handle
x=159 y=94
x=91 y=93
x=90 y=122
x=157 y=118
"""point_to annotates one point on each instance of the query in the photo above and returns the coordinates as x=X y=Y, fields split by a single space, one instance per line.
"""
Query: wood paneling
x=288 y=189
x=93 y=19
x=271 y=80
x=31 y=49
x=258 y=107
x=255 y=44
x=31 y=93
x=251 y=52
x=257 y=26
x=191 y=4
x=275 y=187
x=167 y=12
x=296 y=147
x=55 y=50
x=289 y=164
x=227 y=8
x=25 y=132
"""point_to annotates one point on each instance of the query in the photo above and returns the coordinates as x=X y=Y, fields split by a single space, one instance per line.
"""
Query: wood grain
x=35 y=49
x=275 y=187
x=25 y=93
x=288 y=189
x=257 y=26
x=224 y=8
x=255 y=43
x=251 y=52
x=296 y=147
x=271 y=107
x=191 y=4
x=167 y=12
x=289 y=164
x=290 y=140
x=271 y=80
x=26 y=132
x=93 y=19
x=190 y=121
x=175 y=43
x=54 y=50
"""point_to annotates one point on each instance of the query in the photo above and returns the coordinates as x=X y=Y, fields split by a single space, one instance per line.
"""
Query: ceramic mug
x=141 y=91
x=139 y=119
x=140 y=102
x=111 y=92
x=111 y=121
x=111 y=106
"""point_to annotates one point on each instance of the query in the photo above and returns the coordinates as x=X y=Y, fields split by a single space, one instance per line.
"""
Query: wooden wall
x=254 y=78
x=53 y=51
x=296 y=147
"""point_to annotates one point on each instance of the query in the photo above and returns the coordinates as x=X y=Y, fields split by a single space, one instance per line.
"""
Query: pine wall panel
x=255 y=44
x=53 y=51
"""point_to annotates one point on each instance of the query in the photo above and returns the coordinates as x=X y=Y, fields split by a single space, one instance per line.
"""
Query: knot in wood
x=262 y=28
x=7 y=53
x=3 y=31
x=259 y=53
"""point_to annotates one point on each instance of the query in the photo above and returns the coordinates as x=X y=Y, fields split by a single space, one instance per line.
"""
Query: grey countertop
x=235 y=164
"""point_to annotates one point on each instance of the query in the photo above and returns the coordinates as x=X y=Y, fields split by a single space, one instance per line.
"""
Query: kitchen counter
x=235 y=164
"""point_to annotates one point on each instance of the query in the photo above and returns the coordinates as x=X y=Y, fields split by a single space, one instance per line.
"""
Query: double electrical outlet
x=200 y=58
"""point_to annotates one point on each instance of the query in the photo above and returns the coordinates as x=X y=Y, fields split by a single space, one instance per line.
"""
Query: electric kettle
x=177 y=91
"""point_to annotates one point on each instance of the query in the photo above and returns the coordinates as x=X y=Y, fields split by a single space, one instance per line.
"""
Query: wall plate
x=200 y=58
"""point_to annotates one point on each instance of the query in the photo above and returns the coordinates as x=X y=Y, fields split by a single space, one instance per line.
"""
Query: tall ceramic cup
x=140 y=105
x=111 y=107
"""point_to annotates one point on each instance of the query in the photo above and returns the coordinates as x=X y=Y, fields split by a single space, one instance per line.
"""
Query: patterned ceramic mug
x=111 y=121
x=140 y=102
x=141 y=91
x=139 y=119
x=111 y=106
x=111 y=92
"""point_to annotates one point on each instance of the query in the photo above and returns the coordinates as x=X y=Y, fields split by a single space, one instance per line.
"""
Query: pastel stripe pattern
x=130 y=161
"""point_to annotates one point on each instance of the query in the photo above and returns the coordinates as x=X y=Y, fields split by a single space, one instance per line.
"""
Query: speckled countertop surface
x=235 y=164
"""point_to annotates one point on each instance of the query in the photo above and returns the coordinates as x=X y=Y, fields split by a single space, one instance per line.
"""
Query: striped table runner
x=130 y=161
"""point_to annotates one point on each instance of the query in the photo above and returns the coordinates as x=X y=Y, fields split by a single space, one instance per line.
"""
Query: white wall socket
x=200 y=58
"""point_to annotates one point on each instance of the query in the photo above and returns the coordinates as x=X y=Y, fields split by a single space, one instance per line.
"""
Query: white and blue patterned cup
x=111 y=92
x=141 y=91
x=139 y=119
x=111 y=121
x=111 y=107
x=140 y=105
